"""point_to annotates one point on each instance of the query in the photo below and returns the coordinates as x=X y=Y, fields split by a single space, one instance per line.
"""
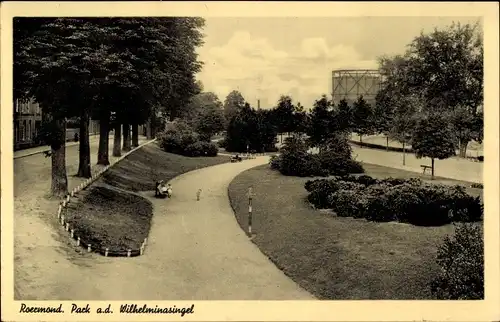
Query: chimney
x=258 y=104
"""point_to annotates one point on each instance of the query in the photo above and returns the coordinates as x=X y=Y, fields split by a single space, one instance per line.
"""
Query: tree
x=362 y=116
x=233 y=103
x=320 y=122
x=76 y=67
x=383 y=115
x=300 y=119
x=405 y=118
x=343 y=116
x=446 y=68
x=251 y=130
x=210 y=122
x=283 y=115
x=196 y=104
x=43 y=71
x=433 y=138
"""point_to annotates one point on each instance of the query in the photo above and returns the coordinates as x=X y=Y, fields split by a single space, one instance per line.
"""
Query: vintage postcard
x=249 y=161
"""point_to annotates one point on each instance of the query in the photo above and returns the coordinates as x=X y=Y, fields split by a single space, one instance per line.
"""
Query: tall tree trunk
x=361 y=140
x=463 y=148
x=404 y=154
x=135 y=135
x=126 y=137
x=59 y=185
x=432 y=168
x=103 y=152
x=149 y=135
x=84 y=153
x=387 y=143
x=117 y=143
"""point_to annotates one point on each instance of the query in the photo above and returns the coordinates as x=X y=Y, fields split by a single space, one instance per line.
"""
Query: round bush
x=461 y=259
x=345 y=203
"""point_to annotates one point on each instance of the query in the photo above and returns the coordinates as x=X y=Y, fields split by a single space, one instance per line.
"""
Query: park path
x=43 y=257
x=196 y=251
x=452 y=168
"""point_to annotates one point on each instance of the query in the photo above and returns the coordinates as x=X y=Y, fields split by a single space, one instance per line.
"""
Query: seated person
x=160 y=188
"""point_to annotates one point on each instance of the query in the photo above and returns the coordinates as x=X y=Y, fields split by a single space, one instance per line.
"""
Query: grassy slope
x=334 y=257
x=112 y=215
x=141 y=169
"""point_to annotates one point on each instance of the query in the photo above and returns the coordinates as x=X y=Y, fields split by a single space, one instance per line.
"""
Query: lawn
x=110 y=213
x=333 y=257
x=140 y=170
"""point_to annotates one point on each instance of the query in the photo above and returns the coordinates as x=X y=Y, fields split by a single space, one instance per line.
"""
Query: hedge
x=394 y=199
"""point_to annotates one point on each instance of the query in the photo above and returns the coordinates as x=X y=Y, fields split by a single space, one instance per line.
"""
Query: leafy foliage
x=443 y=70
x=395 y=199
x=179 y=138
x=362 y=117
x=461 y=258
x=253 y=129
x=233 y=104
x=333 y=159
x=433 y=138
x=320 y=125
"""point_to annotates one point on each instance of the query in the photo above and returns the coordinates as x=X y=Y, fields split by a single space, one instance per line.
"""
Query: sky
x=265 y=58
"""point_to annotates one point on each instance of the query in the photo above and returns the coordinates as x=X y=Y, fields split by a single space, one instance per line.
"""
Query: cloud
x=259 y=71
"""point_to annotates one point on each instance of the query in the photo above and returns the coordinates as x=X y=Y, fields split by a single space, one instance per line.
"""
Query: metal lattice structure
x=349 y=84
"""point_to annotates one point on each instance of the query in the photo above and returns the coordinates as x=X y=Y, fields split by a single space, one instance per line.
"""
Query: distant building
x=349 y=84
x=28 y=118
x=27 y=123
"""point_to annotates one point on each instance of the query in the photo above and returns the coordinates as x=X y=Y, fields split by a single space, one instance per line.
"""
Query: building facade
x=350 y=84
x=28 y=118
x=27 y=123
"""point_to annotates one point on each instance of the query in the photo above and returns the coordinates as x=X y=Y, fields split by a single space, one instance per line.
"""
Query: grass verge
x=333 y=257
x=110 y=214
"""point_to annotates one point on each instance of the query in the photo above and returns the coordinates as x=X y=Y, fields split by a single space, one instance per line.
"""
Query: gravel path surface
x=46 y=264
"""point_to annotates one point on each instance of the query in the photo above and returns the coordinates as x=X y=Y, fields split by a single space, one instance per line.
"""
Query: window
x=16 y=132
x=23 y=131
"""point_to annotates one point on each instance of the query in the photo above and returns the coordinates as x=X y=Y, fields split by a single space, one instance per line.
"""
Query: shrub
x=333 y=159
x=366 y=180
x=390 y=199
x=480 y=158
x=319 y=191
x=179 y=138
x=210 y=149
x=464 y=207
x=378 y=209
x=335 y=156
x=345 y=203
x=201 y=148
x=222 y=143
x=275 y=162
x=461 y=259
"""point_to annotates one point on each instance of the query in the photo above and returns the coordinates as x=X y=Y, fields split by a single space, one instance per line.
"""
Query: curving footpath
x=196 y=251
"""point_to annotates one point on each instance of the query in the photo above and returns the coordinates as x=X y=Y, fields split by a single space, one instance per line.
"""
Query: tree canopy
x=444 y=68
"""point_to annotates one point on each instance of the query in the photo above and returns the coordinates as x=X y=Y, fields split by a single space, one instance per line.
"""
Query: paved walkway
x=44 y=148
x=196 y=251
x=42 y=266
x=453 y=168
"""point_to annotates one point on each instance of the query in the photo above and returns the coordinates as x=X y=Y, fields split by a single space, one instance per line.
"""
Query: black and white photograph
x=160 y=160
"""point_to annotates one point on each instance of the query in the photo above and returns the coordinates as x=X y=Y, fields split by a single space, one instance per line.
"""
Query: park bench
x=425 y=167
